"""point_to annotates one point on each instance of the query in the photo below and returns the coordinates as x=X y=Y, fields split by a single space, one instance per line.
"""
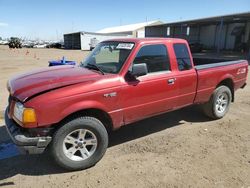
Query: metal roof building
x=136 y=30
x=226 y=32
x=84 y=40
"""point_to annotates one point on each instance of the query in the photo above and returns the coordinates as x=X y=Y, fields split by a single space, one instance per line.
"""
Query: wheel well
x=96 y=113
x=229 y=83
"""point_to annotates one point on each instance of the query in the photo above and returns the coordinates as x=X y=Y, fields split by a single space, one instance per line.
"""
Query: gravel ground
x=177 y=149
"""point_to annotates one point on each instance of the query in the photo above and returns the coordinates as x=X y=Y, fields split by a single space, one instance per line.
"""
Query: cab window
x=182 y=57
x=155 y=57
x=109 y=57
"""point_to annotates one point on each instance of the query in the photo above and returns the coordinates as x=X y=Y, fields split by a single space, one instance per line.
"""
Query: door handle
x=171 y=81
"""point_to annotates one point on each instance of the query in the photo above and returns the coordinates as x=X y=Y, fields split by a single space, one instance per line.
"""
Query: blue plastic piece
x=8 y=150
x=61 y=62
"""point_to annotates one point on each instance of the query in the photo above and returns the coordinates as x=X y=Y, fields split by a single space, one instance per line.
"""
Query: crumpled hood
x=32 y=83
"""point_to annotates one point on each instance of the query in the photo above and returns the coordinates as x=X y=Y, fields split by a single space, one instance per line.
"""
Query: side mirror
x=139 y=69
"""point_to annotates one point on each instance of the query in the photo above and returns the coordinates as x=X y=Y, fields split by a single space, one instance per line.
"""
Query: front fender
x=82 y=105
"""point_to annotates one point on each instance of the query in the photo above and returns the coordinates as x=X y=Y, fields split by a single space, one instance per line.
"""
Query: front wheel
x=219 y=103
x=79 y=143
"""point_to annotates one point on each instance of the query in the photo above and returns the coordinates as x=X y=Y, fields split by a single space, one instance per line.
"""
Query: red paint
x=79 y=88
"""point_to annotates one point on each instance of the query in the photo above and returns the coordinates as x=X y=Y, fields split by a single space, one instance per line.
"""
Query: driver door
x=153 y=93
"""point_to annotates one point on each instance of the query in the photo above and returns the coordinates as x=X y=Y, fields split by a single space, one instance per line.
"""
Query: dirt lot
x=178 y=149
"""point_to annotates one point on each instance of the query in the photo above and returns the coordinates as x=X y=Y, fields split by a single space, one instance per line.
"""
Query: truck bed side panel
x=210 y=76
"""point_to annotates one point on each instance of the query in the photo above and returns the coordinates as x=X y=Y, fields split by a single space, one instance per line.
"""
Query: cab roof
x=148 y=40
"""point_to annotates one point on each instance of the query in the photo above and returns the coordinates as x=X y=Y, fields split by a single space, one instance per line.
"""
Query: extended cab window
x=182 y=56
x=155 y=57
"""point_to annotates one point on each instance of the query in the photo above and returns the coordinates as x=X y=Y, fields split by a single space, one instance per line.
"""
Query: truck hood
x=27 y=85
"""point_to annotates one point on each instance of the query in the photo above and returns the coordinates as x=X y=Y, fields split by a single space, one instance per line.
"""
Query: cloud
x=2 y=24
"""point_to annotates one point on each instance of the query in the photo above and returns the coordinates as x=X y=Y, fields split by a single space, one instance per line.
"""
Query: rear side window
x=182 y=56
x=155 y=56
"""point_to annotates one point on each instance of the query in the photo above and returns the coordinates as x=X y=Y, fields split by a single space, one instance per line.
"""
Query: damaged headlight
x=24 y=115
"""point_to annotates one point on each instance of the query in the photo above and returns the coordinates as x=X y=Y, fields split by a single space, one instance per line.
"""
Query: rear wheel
x=80 y=143
x=219 y=103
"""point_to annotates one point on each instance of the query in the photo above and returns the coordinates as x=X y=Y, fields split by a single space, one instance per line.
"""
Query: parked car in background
x=40 y=46
x=54 y=45
x=70 y=109
x=195 y=47
x=28 y=44
x=4 y=42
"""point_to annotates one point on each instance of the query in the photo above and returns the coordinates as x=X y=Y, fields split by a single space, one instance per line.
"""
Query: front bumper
x=26 y=144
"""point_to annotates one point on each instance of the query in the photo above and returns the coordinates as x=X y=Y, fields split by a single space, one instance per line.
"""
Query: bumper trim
x=26 y=144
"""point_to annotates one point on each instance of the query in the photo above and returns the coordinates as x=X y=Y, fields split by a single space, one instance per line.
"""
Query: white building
x=84 y=40
x=136 y=30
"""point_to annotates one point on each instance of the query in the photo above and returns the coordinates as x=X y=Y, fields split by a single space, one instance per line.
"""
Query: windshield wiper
x=95 y=67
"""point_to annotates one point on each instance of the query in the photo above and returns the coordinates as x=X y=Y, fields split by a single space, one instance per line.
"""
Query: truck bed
x=204 y=63
x=210 y=72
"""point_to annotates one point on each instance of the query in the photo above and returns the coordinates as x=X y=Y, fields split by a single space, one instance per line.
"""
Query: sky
x=49 y=19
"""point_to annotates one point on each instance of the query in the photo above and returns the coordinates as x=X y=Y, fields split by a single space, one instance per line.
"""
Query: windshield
x=108 y=57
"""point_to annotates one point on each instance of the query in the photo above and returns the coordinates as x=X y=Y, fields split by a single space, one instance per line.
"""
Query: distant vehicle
x=93 y=43
x=195 y=47
x=15 y=42
x=241 y=47
x=28 y=44
x=70 y=109
x=4 y=42
x=54 y=45
x=40 y=46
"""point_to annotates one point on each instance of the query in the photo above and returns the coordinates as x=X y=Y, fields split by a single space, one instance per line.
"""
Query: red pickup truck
x=70 y=109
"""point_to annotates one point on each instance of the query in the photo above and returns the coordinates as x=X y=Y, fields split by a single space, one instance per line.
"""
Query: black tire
x=86 y=123
x=210 y=109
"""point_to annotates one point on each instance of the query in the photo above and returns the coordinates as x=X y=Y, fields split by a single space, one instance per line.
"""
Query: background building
x=135 y=30
x=87 y=40
x=228 y=32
